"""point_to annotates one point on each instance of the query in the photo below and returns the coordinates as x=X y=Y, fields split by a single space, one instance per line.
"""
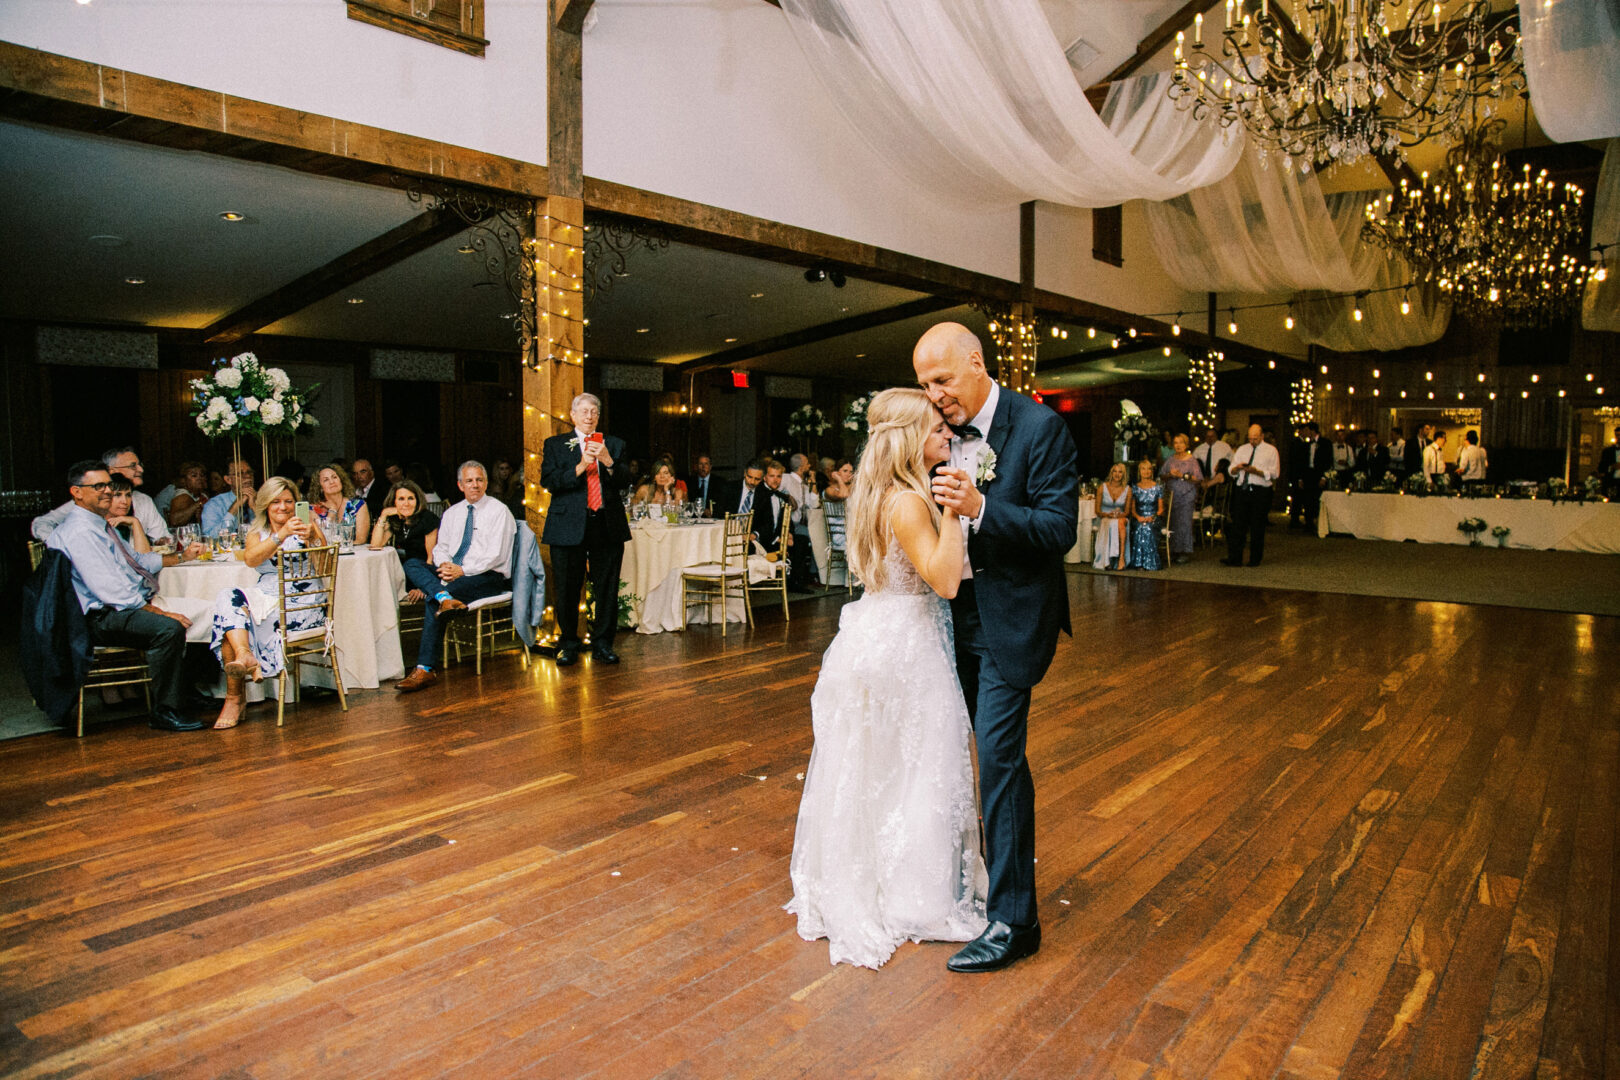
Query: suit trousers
x=162 y=639
x=600 y=559
x=1250 y=505
x=467 y=588
x=1000 y=717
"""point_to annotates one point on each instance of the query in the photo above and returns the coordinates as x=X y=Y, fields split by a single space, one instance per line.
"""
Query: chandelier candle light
x=1499 y=247
x=1353 y=78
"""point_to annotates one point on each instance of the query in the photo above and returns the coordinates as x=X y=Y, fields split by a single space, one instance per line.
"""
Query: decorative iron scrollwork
x=498 y=226
x=609 y=240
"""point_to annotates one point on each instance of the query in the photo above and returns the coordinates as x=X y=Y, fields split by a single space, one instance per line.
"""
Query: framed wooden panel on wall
x=455 y=24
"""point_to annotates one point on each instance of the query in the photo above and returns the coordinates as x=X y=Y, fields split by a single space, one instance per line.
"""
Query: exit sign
x=739 y=379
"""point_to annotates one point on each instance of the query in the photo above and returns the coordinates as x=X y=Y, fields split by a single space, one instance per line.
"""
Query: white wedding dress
x=887 y=846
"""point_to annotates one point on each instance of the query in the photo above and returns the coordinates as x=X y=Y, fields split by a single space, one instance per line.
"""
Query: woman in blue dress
x=1113 y=524
x=338 y=504
x=247 y=618
x=1147 y=517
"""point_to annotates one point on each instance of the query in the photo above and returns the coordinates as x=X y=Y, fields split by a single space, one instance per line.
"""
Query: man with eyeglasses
x=117 y=586
x=123 y=461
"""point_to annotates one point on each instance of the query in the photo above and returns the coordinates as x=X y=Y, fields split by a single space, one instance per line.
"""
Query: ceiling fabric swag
x=975 y=98
x=1600 y=308
x=1263 y=230
x=1330 y=321
x=1572 y=61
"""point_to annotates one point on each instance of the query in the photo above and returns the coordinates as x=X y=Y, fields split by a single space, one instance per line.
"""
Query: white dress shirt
x=1434 y=461
x=1262 y=457
x=804 y=499
x=141 y=508
x=1212 y=454
x=491 y=541
x=965 y=452
x=1471 y=462
x=1344 y=456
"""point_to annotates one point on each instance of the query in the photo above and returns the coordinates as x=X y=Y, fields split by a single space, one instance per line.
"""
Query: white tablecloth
x=1084 y=534
x=653 y=560
x=1536 y=523
x=369 y=586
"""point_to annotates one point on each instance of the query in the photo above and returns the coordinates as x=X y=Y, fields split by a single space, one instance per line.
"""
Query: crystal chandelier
x=1352 y=78
x=1500 y=246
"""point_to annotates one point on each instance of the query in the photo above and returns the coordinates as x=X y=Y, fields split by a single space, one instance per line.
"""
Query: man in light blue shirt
x=230 y=509
x=115 y=586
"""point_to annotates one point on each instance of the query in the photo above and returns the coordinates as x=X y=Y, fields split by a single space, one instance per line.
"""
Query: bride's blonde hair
x=897 y=424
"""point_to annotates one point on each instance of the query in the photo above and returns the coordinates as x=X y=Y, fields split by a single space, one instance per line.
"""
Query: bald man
x=1012 y=479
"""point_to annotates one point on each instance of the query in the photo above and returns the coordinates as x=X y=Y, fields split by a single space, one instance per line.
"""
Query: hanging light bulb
x=1377 y=374
x=1493 y=395
x=1535 y=378
x=1091 y=331
x=1357 y=312
x=1288 y=320
x=1133 y=331
x=1231 y=322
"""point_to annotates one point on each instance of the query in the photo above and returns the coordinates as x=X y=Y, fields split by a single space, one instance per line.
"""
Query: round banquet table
x=369 y=587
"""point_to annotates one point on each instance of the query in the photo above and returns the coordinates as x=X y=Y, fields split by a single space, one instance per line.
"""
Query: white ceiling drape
x=1263 y=230
x=1600 y=308
x=1572 y=62
x=976 y=98
x=1330 y=321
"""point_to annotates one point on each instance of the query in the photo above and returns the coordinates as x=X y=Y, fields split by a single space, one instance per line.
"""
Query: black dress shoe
x=169 y=720
x=195 y=701
x=996 y=948
x=567 y=655
x=1231 y=562
x=604 y=656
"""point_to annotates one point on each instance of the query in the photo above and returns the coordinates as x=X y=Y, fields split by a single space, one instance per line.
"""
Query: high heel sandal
x=231 y=714
x=243 y=669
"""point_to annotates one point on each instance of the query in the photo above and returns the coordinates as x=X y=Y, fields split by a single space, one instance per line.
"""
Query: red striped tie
x=593 y=487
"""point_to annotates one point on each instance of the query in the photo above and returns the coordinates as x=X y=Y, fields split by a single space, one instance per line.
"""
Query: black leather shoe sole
x=998 y=947
x=566 y=657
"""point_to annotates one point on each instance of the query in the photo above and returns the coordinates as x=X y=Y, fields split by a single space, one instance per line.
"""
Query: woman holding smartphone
x=247 y=619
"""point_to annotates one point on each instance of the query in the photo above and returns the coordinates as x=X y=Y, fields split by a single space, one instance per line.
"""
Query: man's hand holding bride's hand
x=954 y=490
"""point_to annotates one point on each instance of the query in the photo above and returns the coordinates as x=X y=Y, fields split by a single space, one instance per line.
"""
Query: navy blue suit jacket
x=1031 y=511
x=565 y=518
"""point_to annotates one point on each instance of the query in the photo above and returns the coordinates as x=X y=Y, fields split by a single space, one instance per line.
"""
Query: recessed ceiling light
x=644 y=329
x=755 y=296
x=108 y=240
x=134 y=281
x=357 y=300
x=843 y=309
x=729 y=340
x=232 y=215
x=465 y=249
x=860 y=356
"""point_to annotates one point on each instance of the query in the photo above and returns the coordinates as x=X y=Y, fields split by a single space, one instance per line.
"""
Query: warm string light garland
x=562 y=260
x=1201 y=387
x=1302 y=401
x=1017 y=342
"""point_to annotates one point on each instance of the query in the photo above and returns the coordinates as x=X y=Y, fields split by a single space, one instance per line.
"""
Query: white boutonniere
x=573 y=444
x=985 y=471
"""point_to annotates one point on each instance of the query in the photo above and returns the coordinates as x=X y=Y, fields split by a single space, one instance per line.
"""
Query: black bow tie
x=966 y=431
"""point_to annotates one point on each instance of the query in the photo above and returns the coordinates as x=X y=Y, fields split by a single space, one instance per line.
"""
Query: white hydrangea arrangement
x=243 y=397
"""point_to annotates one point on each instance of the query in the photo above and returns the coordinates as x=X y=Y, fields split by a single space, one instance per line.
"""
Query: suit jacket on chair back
x=1031 y=511
x=565 y=520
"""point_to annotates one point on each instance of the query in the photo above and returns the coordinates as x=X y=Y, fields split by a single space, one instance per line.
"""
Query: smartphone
x=301 y=512
x=595 y=437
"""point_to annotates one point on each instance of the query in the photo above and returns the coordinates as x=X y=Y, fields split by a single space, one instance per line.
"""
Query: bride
x=887 y=846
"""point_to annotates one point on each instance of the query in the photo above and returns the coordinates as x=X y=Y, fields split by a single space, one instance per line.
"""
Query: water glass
x=346 y=536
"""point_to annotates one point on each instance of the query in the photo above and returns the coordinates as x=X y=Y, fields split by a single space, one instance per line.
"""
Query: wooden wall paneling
x=28 y=435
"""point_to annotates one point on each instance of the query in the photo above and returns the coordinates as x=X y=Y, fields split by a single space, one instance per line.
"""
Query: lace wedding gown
x=887 y=846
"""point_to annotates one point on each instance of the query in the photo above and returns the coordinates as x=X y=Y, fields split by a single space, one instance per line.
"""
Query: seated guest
x=701 y=488
x=840 y=481
x=472 y=559
x=739 y=498
x=500 y=480
x=407 y=526
x=368 y=487
x=1113 y=530
x=125 y=462
x=247 y=618
x=116 y=587
x=770 y=503
x=187 y=496
x=392 y=472
x=119 y=517
x=234 y=508
x=339 y=505
x=1147 y=517
x=663 y=489
x=801 y=487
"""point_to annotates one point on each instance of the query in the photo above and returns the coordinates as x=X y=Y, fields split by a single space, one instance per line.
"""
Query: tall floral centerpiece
x=244 y=398
x=807 y=424
x=1134 y=431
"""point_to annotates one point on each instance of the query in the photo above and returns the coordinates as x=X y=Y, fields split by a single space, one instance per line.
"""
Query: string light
x=1201 y=388
x=1302 y=395
x=1231 y=322
x=1175 y=327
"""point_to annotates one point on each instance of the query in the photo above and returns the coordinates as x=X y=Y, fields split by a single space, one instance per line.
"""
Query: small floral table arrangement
x=1501 y=534
x=1472 y=527
x=855 y=415
x=807 y=424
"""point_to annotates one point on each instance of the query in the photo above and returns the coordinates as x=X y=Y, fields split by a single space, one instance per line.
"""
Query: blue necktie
x=466 y=537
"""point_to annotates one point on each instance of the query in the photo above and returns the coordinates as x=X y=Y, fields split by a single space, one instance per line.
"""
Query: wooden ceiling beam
x=571 y=15
x=912 y=309
x=1157 y=39
x=395 y=246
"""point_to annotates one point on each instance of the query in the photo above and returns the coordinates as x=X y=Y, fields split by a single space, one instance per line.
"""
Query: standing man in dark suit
x=1012 y=478
x=701 y=486
x=1316 y=458
x=586 y=527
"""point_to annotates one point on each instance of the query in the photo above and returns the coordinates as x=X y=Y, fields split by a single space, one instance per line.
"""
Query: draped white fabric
x=1263 y=230
x=1600 y=309
x=975 y=98
x=1572 y=61
x=1330 y=321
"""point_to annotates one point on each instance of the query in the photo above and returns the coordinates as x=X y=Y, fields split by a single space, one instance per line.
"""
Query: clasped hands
x=954 y=490
x=593 y=453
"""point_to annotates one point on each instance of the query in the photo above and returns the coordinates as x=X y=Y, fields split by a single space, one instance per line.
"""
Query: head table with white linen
x=1532 y=523
x=366 y=621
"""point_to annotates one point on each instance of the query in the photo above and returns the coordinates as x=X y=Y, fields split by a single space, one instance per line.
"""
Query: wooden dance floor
x=1280 y=834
